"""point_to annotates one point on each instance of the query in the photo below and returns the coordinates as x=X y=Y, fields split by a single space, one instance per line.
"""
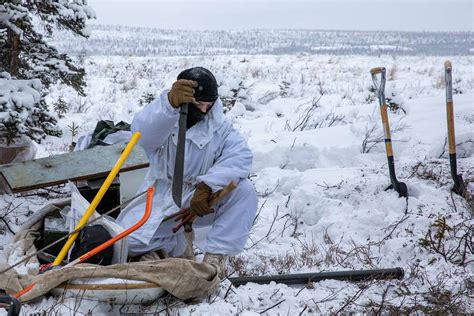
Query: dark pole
x=303 y=278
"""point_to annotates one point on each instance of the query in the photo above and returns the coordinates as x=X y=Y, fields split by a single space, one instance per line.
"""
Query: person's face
x=203 y=106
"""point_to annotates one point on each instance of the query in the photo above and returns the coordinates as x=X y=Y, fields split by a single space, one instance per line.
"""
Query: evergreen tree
x=25 y=55
x=23 y=111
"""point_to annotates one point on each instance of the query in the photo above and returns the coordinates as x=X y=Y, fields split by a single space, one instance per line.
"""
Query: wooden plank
x=78 y=165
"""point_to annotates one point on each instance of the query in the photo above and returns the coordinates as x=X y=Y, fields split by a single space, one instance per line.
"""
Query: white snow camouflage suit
x=216 y=154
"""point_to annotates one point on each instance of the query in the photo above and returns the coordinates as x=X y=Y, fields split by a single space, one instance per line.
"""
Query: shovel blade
x=459 y=188
x=401 y=189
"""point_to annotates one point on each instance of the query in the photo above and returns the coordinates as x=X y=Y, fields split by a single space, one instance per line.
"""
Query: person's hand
x=200 y=200
x=182 y=92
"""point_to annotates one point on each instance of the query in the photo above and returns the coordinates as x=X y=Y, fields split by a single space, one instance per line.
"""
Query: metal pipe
x=303 y=278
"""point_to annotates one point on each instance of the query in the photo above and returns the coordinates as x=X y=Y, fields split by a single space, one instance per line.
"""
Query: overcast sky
x=404 y=15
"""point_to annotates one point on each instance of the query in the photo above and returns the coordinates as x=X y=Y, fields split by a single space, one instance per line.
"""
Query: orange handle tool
x=108 y=243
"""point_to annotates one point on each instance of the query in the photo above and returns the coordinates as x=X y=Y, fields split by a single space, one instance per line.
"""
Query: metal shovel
x=400 y=187
x=459 y=187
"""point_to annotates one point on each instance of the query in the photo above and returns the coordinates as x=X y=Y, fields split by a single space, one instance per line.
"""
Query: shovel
x=400 y=187
x=459 y=187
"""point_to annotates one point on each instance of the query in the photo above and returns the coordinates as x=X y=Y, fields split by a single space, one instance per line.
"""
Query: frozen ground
x=320 y=171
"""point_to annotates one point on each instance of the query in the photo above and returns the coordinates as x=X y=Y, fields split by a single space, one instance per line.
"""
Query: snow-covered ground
x=320 y=171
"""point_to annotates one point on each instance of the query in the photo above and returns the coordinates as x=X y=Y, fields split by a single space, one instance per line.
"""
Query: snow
x=322 y=201
x=20 y=93
x=9 y=14
x=142 y=41
x=21 y=108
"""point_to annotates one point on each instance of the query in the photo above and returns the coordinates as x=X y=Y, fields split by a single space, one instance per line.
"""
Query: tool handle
x=459 y=187
x=447 y=65
x=184 y=222
x=188 y=219
x=216 y=197
x=379 y=85
x=448 y=79
x=449 y=108
x=176 y=216
x=188 y=227
x=377 y=70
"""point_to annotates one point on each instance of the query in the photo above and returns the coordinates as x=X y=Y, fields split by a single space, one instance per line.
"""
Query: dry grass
x=433 y=170
x=306 y=256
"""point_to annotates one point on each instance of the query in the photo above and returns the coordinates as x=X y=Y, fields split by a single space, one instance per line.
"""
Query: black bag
x=89 y=238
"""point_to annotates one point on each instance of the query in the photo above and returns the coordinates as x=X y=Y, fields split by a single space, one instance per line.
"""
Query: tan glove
x=200 y=200
x=182 y=92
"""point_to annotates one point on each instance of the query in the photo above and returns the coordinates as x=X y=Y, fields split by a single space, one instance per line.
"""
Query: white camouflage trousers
x=230 y=225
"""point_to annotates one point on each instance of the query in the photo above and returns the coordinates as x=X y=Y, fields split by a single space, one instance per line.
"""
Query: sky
x=402 y=15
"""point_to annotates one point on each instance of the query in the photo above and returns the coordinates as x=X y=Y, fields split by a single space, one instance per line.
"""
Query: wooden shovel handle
x=447 y=65
x=377 y=70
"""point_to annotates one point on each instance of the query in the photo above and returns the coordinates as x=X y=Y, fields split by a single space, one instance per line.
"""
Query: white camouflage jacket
x=215 y=153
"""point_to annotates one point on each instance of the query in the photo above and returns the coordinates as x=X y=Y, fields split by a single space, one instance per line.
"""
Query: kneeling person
x=215 y=155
